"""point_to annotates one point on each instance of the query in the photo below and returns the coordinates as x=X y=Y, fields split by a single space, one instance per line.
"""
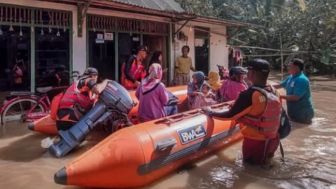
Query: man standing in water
x=183 y=66
x=299 y=103
x=257 y=111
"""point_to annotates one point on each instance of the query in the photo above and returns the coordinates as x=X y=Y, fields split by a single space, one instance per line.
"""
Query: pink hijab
x=153 y=79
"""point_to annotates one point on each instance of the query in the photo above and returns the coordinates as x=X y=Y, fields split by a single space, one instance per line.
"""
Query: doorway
x=127 y=46
x=102 y=54
x=202 y=39
x=158 y=43
x=14 y=52
x=52 y=56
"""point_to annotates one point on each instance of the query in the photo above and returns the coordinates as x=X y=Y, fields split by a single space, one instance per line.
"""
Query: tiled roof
x=160 y=5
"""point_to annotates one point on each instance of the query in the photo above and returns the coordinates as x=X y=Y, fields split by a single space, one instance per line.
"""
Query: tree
x=305 y=25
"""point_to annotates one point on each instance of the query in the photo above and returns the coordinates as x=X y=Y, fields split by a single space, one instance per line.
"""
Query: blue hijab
x=200 y=77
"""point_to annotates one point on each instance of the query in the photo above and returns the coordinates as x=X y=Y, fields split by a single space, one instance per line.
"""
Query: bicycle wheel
x=18 y=109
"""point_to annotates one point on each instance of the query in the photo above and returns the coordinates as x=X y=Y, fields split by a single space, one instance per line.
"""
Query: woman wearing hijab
x=194 y=90
x=152 y=95
x=232 y=87
x=214 y=82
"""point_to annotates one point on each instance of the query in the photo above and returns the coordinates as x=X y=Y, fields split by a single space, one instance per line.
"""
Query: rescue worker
x=257 y=111
x=133 y=71
x=78 y=99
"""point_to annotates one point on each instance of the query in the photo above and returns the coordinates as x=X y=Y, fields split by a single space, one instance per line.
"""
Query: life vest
x=55 y=104
x=73 y=96
x=137 y=70
x=268 y=122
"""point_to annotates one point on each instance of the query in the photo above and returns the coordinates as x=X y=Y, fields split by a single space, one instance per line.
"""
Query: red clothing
x=73 y=96
x=258 y=151
x=132 y=71
x=76 y=101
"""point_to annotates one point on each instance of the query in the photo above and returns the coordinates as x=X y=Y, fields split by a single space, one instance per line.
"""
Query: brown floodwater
x=310 y=158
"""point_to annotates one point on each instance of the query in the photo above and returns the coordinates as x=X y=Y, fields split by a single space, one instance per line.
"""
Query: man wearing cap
x=75 y=102
x=298 y=95
x=257 y=111
x=78 y=99
x=134 y=70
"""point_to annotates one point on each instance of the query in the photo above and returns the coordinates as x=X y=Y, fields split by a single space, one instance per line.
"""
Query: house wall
x=218 y=51
x=218 y=45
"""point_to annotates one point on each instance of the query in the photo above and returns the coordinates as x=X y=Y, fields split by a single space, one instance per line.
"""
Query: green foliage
x=308 y=25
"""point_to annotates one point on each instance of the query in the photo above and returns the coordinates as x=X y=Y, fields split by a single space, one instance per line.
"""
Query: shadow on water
x=25 y=149
x=13 y=129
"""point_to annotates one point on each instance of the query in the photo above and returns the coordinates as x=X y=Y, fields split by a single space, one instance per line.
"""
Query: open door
x=158 y=43
x=202 y=48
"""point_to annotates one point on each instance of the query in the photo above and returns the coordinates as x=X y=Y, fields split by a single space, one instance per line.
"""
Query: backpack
x=54 y=106
x=129 y=85
x=171 y=107
x=285 y=125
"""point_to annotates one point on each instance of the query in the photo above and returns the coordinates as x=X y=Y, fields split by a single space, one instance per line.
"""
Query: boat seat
x=44 y=89
x=21 y=93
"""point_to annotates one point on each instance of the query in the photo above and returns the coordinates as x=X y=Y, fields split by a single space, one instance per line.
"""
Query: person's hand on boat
x=230 y=103
x=207 y=110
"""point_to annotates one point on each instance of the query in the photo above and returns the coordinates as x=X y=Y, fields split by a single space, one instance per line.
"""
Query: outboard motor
x=114 y=101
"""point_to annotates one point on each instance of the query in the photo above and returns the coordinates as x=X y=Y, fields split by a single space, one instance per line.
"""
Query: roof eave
x=217 y=21
x=103 y=4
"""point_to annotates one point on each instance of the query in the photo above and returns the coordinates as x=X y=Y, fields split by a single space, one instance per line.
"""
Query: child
x=209 y=96
x=204 y=97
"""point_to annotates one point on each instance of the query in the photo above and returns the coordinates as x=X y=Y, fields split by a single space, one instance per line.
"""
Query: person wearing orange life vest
x=133 y=71
x=257 y=111
x=78 y=99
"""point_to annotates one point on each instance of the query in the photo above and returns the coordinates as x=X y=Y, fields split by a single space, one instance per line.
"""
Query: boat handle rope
x=179 y=117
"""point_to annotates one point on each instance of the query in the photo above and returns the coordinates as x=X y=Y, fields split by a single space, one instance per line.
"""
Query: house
x=74 y=34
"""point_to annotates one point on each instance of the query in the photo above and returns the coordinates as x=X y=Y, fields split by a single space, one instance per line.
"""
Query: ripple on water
x=322 y=124
x=320 y=145
x=219 y=177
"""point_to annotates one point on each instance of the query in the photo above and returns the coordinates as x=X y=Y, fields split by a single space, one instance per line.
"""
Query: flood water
x=310 y=158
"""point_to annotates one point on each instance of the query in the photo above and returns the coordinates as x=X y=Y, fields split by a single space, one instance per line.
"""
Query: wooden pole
x=282 y=62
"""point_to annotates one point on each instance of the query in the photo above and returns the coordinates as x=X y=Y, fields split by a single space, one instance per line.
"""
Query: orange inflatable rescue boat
x=137 y=156
x=47 y=125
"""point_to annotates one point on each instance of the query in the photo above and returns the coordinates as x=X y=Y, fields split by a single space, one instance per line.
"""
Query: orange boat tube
x=44 y=125
x=137 y=156
x=47 y=125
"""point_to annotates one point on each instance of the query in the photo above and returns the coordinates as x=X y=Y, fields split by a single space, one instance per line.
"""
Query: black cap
x=142 y=48
x=237 y=70
x=260 y=65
